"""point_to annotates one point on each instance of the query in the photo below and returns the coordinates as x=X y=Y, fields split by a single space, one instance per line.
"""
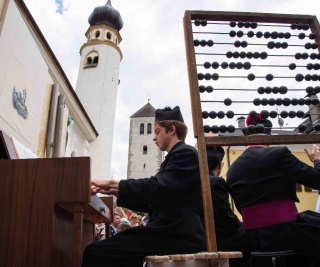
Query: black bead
x=207 y=65
x=200 y=76
x=197 y=22
x=249 y=55
x=236 y=54
x=302 y=35
x=317 y=89
x=215 y=128
x=299 y=77
x=261 y=90
x=264 y=114
x=304 y=55
x=233 y=24
x=237 y=43
x=215 y=76
x=315 y=77
x=210 y=43
x=264 y=102
x=314 y=45
x=243 y=54
x=254 y=25
x=203 y=23
x=269 y=77
x=223 y=128
x=213 y=114
x=292 y=66
x=231 y=129
x=274 y=35
x=272 y=102
x=278 y=101
x=275 y=89
x=259 y=128
x=256 y=55
x=224 y=65
x=247 y=65
x=286 y=102
x=293 y=26
x=263 y=55
x=309 y=66
x=202 y=88
x=207 y=76
x=215 y=65
x=196 y=42
x=240 y=33
x=259 y=34
x=209 y=89
x=273 y=114
x=232 y=65
x=250 y=34
x=251 y=77
x=292 y=114
x=230 y=114
x=227 y=101
x=294 y=101
x=283 y=90
x=267 y=35
x=203 y=42
x=278 y=45
x=287 y=35
x=312 y=36
x=207 y=128
x=232 y=33
x=307 y=46
x=253 y=114
x=302 y=101
x=221 y=114
x=247 y=24
x=205 y=114
x=229 y=54
x=239 y=65
x=240 y=24
x=317 y=126
x=308 y=101
x=315 y=101
x=284 y=45
x=309 y=89
x=298 y=56
x=313 y=56
x=302 y=128
x=300 y=114
x=244 y=44
x=257 y=101
x=307 y=77
x=284 y=114
x=305 y=27
x=271 y=45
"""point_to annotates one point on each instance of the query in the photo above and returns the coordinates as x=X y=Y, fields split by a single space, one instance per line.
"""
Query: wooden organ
x=242 y=64
x=48 y=212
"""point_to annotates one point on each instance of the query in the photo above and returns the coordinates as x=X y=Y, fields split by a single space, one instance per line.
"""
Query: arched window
x=92 y=59
x=149 y=128
x=145 y=150
x=89 y=62
x=97 y=34
x=108 y=35
x=141 y=128
x=95 y=61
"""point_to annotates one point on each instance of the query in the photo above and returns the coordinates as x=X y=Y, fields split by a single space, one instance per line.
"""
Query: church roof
x=146 y=111
x=106 y=15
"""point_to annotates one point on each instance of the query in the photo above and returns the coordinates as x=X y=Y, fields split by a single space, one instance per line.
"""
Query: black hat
x=257 y=125
x=169 y=114
x=215 y=156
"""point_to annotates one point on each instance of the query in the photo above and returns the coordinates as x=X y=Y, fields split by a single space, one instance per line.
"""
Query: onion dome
x=106 y=15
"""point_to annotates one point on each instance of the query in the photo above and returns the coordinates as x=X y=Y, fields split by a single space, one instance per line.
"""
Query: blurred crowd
x=122 y=220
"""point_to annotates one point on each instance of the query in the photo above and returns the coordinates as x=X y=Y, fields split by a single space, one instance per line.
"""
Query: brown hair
x=181 y=128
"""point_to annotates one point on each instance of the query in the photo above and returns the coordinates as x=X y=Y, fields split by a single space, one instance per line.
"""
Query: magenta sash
x=266 y=214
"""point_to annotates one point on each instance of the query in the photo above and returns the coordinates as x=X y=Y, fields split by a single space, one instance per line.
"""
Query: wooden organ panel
x=48 y=211
x=242 y=64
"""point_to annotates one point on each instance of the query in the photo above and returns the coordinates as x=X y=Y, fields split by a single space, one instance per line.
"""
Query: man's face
x=116 y=220
x=161 y=138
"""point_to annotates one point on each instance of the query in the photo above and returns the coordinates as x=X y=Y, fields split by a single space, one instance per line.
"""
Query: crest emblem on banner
x=19 y=102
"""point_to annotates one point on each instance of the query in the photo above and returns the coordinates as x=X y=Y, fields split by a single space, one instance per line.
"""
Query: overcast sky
x=154 y=62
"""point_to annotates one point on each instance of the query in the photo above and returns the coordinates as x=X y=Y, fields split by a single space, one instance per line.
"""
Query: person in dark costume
x=262 y=182
x=172 y=197
x=230 y=234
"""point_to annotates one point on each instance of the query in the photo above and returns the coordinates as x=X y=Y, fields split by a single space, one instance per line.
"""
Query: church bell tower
x=98 y=80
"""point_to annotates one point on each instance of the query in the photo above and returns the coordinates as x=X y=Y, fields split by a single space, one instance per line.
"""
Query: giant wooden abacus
x=250 y=63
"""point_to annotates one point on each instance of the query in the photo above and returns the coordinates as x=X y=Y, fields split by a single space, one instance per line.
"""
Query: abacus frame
x=202 y=140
